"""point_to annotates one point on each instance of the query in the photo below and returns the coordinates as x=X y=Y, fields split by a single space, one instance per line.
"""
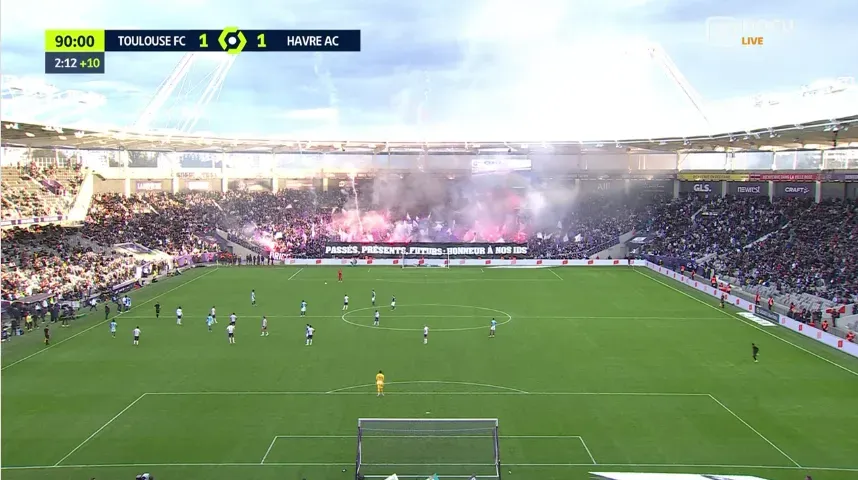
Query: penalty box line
x=351 y=464
x=648 y=394
x=532 y=437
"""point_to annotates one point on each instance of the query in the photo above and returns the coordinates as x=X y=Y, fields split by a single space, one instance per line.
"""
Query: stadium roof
x=824 y=134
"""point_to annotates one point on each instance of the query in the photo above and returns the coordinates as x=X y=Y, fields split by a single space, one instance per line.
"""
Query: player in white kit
x=376 y=319
x=136 y=335
x=253 y=298
x=309 y=332
x=303 y=308
x=373 y=297
x=425 y=334
x=264 y=327
x=213 y=314
x=393 y=303
x=232 y=318
x=179 y=316
x=230 y=333
x=345 y=303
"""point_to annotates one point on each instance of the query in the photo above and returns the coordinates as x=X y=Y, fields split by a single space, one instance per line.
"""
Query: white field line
x=731 y=412
x=273 y=441
x=347 y=464
x=352 y=436
x=626 y=394
x=212 y=270
x=100 y=429
x=555 y=273
x=588 y=450
x=296 y=273
x=526 y=317
x=433 y=382
x=745 y=322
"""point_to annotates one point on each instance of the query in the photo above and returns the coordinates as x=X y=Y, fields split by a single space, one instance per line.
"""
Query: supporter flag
x=841 y=309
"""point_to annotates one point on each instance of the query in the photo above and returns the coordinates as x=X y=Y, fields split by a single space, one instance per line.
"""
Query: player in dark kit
x=755 y=350
x=106 y=311
x=47 y=336
x=339 y=275
x=723 y=299
x=157 y=310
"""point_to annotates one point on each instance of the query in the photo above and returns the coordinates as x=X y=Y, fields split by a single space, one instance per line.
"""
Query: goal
x=409 y=261
x=420 y=448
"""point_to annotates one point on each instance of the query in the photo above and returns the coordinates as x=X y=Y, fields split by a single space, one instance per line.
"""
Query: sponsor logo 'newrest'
x=765 y=313
x=458 y=250
x=753 y=189
x=702 y=187
x=802 y=190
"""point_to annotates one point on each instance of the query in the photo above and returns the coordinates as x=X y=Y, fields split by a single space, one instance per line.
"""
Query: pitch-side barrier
x=758 y=314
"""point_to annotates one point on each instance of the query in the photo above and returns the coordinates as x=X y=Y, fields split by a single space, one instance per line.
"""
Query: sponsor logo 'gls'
x=702 y=187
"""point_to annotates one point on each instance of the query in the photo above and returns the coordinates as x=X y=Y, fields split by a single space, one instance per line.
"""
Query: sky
x=444 y=69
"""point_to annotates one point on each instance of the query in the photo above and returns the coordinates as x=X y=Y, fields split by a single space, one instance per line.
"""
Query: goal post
x=409 y=261
x=417 y=448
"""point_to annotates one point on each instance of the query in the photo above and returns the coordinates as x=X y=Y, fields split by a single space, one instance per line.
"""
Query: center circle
x=420 y=329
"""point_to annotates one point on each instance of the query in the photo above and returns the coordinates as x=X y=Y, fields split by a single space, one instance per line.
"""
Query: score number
x=232 y=40
x=260 y=41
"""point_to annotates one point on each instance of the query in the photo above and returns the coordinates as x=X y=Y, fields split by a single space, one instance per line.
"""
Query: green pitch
x=592 y=369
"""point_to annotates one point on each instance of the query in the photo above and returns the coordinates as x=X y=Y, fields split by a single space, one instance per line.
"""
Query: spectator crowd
x=794 y=245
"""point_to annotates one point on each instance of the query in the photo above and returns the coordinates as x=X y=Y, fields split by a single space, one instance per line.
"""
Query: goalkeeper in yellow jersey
x=379 y=383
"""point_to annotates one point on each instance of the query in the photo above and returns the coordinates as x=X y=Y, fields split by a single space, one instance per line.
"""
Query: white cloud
x=109 y=86
x=314 y=114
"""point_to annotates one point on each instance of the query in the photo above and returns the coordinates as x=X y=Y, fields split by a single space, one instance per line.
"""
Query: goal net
x=409 y=261
x=417 y=448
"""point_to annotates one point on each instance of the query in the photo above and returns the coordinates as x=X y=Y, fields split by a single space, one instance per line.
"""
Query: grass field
x=592 y=369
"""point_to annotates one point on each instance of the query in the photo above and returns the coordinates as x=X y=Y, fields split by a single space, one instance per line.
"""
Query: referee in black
x=755 y=350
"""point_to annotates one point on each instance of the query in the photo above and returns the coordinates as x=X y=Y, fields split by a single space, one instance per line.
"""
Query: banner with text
x=149 y=186
x=29 y=221
x=842 y=177
x=786 y=177
x=713 y=177
x=427 y=250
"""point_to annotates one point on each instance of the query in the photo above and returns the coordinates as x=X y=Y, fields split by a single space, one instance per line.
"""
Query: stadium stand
x=32 y=191
x=797 y=250
x=175 y=224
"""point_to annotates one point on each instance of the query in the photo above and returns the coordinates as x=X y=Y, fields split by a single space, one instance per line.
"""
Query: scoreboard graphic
x=83 y=51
